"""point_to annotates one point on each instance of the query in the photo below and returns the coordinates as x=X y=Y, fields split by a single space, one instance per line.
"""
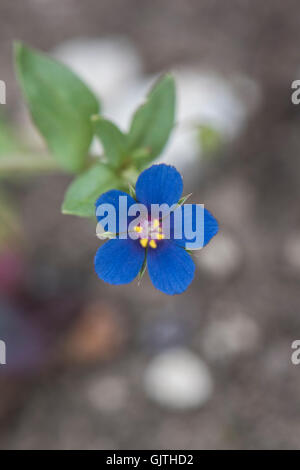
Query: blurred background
x=91 y=366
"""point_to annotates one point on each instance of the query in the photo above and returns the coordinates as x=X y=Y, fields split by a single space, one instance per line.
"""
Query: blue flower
x=170 y=266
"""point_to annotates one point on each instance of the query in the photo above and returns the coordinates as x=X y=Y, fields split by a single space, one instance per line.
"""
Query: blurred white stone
x=292 y=251
x=229 y=336
x=178 y=379
x=248 y=91
x=108 y=394
x=205 y=98
x=221 y=258
x=121 y=112
x=107 y=65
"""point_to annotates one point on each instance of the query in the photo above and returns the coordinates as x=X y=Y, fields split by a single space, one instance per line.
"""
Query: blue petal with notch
x=171 y=268
x=186 y=219
x=159 y=184
x=119 y=261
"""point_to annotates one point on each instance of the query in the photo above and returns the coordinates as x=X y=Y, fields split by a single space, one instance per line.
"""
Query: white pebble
x=222 y=257
x=178 y=379
x=107 y=65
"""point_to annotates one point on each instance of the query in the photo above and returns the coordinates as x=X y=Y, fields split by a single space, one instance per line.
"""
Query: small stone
x=178 y=379
x=107 y=65
x=226 y=337
x=222 y=258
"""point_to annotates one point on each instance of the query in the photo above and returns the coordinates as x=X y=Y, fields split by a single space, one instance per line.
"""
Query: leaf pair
x=149 y=130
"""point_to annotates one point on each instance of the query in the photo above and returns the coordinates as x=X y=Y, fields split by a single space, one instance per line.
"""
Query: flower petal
x=204 y=232
x=112 y=197
x=159 y=184
x=119 y=261
x=171 y=268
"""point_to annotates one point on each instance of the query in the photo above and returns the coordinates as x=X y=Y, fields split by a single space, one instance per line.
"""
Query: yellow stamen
x=160 y=236
x=155 y=223
x=144 y=242
x=153 y=244
x=138 y=229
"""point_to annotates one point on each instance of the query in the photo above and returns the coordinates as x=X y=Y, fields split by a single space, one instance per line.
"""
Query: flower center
x=149 y=232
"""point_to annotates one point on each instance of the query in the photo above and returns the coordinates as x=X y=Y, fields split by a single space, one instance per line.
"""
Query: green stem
x=27 y=163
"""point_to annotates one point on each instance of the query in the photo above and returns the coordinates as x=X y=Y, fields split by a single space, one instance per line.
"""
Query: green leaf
x=83 y=192
x=183 y=199
x=60 y=105
x=153 y=121
x=141 y=153
x=132 y=191
x=26 y=164
x=113 y=140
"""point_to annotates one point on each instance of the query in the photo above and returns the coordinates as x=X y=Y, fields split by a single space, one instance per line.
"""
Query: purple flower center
x=149 y=231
